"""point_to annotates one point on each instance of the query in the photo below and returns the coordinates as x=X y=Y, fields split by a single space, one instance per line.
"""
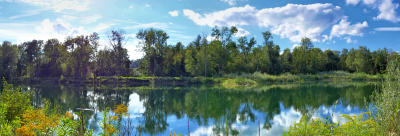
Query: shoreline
x=227 y=81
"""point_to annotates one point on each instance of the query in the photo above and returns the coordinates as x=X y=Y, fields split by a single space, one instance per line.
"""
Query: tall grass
x=385 y=119
x=387 y=101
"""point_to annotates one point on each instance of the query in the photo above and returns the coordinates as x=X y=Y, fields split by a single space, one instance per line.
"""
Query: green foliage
x=79 y=58
x=354 y=126
x=6 y=127
x=387 y=100
x=238 y=82
x=17 y=101
x=19 y=117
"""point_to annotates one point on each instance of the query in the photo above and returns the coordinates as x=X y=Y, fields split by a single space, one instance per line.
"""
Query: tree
x=120 y=54
x=191 y=60
x=350 y=60
x=286 y=60
x=332 y=60
x=33 y=51
x=8 y=59
x=51 y=61
x=342 y=60
x=105 y=63
x=380 y=59
x=363 y=60
x=153 y=42
x=300 y=55
x=82 y=55
x=243 y=59
x=272 y=52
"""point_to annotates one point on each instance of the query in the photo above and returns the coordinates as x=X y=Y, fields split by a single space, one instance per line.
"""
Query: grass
x=228 y=80
x=384 y=120
x=238 y=82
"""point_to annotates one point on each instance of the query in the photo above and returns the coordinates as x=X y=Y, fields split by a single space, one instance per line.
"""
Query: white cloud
x=293 y=21
x=349 y=40
x=280 y=123
x=387 y=8
x=157 y=25
x=43 y=30
x=130 y=6
x=57 y=5
x=352 y=2
x=387 y=29
x=135 y=105
x=57 y=29
x=295 y=45
x=210 y=38
x=174 y=13
x=241 y=32
x=345 y=28
x=231 y=2
x=134 y=50
x=91 y=19
x=147 y=5
x=369 y=2
x=25 y=14
x=388 y=11
x=102 y=26
x=230 y=17
x=355 y=2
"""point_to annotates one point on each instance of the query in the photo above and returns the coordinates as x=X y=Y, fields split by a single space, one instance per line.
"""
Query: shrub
x=355 y=126
x=387 y=101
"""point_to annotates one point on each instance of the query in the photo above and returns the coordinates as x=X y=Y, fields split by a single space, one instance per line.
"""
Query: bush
x=355 y=126
x=387 y=101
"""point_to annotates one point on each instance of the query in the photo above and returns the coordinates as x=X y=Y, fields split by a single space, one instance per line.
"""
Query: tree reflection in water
x=222 y=110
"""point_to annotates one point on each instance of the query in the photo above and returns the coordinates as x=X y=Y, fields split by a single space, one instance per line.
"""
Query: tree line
x=79 y=57
x=76 y=57
x=223 y=55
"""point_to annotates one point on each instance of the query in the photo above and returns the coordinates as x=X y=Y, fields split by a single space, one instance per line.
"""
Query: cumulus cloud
x=57 y=5
x=43 y=30
x=355 y=2
x=174 y=13
x=349 y=40
x=387 y=29
x=388 y=11
x=345 y=28
x=241 y=32
x=293 y=21
x=230 y=17
x=295 y=45
x=387 y=8
x=352 y=2
x=231 y=2
x=57 y=29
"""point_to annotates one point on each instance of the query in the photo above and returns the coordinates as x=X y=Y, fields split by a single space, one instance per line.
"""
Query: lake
x=210 y=110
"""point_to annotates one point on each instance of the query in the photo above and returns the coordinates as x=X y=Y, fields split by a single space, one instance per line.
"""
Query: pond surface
x=204 y=111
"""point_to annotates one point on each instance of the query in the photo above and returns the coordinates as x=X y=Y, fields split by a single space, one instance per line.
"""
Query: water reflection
x=211 y=110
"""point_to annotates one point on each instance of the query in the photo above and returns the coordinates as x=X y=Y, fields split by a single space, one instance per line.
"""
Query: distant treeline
x=79 y=57
x=225 y=56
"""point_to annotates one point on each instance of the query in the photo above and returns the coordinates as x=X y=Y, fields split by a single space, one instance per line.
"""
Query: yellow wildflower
x=121 y=109
x=68 y=115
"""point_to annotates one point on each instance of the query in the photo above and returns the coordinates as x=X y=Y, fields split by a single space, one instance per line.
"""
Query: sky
x=330 y=24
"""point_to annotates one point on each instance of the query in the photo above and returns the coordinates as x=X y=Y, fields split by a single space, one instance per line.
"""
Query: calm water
x=211 y=110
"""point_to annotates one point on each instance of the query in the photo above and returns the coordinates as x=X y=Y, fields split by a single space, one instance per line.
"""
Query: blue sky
x=331 y=24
